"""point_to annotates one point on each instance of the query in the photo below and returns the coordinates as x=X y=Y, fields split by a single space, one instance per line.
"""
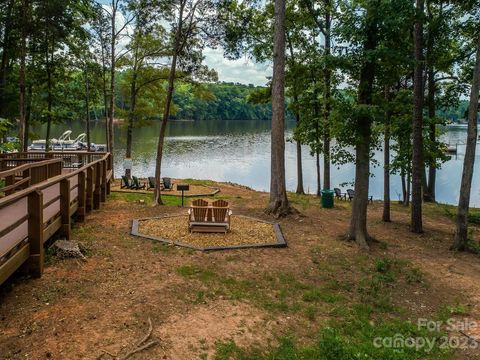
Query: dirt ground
x=197 y=300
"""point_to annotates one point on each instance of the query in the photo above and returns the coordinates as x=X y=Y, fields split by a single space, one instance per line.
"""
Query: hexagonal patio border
x=281 y=242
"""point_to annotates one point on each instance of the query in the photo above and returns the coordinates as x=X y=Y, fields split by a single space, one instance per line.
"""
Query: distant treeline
x=225 y=101
x=455 y=113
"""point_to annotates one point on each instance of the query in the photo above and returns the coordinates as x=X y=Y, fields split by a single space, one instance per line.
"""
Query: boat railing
x=71 y=159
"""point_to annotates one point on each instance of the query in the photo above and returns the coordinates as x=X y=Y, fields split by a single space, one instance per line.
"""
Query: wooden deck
x=40 y=196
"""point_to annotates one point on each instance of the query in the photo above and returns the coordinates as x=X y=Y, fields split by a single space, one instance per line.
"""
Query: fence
x=30 y=216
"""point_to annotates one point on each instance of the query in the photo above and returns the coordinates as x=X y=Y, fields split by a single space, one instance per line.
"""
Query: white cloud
x=243 y=70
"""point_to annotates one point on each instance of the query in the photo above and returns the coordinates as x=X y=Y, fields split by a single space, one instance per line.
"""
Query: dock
x=40 y=193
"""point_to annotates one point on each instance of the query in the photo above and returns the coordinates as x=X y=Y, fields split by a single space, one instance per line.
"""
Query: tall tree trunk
x=386 y=168
x=429 y=195
x=327 y=95
x=6 y=42
x=87 y=107
x=417 y=125
x=168 y=102
x=131 y=117
x=22 y=93
x=300 y=189
x=105 y=95
x=317 y=165
x=409 y=185
x=28 y=112
x=49 y=94
x=358 y=222
x=404 y=187
x=278 y=204
x=461 y=232
x=111 y=111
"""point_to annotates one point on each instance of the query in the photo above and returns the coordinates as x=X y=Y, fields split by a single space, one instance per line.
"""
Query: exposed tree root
x=140 y=345
x=279 y=209
x=141 y=348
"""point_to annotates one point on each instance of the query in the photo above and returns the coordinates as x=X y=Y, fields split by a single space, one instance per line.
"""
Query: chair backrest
x=338 y=192
x=135 y=181
x=199 y=208
x=350 y=193
x=167 y=182
x=125 y=180
x=151 y=181
x=220 y=209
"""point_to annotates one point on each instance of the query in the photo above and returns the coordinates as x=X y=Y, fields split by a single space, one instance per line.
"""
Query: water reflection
x=239 y=151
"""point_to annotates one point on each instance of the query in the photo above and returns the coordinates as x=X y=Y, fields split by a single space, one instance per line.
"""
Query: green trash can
x=327 y=198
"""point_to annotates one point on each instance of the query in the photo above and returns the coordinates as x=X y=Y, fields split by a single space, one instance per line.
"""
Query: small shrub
x=414 y=275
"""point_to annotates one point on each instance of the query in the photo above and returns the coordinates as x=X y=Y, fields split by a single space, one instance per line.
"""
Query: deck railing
x=31 y=216
x=22 y=176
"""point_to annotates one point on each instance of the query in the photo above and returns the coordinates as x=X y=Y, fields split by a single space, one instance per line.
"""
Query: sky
x=244 y=70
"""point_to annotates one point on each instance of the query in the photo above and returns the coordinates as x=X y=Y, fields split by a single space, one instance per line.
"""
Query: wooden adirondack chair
x=351 y=195
x=151 y=183
x=136 y=184
x=167 y=183
x=203 y=218
x=339 y=194
x=221 y=212
x=125 y=183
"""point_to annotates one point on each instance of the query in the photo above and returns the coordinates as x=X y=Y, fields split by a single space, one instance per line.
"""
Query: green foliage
x=221 y=101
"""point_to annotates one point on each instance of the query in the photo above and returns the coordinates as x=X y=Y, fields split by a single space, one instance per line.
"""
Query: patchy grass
x=200 y=182
x=302 y=200
x=358 y=331
x=147 y=199
x=450 y=211
x=320 y=298
x=355 y=338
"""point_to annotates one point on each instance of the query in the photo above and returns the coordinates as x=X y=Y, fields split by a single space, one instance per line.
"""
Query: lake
x=239 y=152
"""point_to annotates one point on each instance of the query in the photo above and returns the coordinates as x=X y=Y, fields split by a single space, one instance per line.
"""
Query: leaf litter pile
x=243 y=231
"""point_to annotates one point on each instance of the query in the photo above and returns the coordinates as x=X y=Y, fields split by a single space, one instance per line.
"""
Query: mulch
x=243 y=231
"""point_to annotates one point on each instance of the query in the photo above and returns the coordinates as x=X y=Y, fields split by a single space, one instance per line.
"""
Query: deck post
x=103 y=197
x=65 y=207
x=26 y=174
x=97 y=191
x=109 y=167
x=35 y=233
x=82 y=196
x=89 y=197
x=10 y=180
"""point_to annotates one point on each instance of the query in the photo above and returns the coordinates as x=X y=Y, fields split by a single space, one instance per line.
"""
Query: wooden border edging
x=281 y=241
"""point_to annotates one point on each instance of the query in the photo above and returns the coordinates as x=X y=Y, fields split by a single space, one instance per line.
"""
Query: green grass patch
x=199 y=182
x=352 y=339
x=158 y=247
x=302 y=200
x=192 y=271
x=316 y=295
x=414 y=275
x=448 y=311
x=146 y=198
x=451 y=212
x=368 y=327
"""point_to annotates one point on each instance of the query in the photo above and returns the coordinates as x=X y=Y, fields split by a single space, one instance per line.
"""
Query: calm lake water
x=239 y=151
